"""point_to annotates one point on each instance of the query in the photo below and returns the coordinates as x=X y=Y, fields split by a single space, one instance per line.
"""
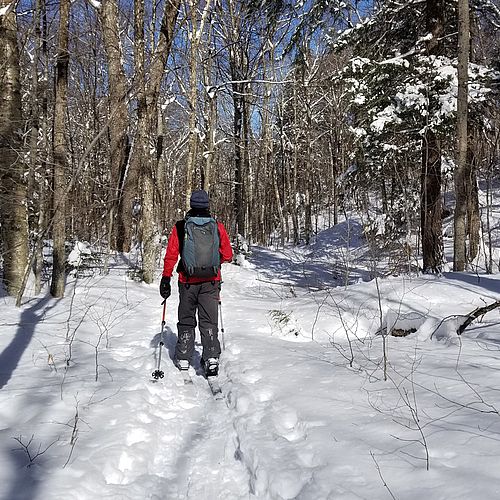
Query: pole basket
x=158 y=374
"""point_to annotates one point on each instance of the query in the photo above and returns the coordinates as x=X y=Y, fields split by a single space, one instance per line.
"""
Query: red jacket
x=172 y=255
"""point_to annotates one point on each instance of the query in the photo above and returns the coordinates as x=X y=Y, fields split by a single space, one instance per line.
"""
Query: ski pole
x=159 y=373
x=221 y=322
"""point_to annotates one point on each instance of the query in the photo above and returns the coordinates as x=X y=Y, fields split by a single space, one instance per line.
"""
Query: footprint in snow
x=287 y=424
x=308 y=459
x=185 y=405
x=169 y=415
x=114 y=474
x=137 y=435
x=264 y=394
x=144 y=418
x=126 y=463
x=287 y=484
x=251 y=376
x=234 y=349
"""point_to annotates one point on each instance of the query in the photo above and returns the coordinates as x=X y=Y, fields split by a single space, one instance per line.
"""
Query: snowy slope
x=306 y=413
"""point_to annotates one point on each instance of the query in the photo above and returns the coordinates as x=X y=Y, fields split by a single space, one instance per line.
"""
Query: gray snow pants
x=201 y=298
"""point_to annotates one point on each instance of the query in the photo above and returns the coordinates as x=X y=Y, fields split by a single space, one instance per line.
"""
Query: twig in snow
x=26 y=448
x=381 y=476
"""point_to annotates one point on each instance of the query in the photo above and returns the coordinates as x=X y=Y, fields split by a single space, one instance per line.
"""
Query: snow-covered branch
x=7 y=9
x=95 y=3
x=480 y=311
x=489 y=7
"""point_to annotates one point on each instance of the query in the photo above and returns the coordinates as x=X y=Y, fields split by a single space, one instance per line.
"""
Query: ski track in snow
x=192 y=451
x=204 y=448
x=295 y=422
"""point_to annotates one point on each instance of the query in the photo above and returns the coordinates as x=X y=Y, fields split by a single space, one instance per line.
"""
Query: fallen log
x=480 y=311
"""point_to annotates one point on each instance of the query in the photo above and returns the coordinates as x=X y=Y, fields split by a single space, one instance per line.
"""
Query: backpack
x=200 y=249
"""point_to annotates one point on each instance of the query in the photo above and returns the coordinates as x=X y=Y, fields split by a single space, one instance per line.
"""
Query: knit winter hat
x=199 y=199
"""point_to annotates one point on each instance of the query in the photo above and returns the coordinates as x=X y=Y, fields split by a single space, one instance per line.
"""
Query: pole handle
x=164 y=303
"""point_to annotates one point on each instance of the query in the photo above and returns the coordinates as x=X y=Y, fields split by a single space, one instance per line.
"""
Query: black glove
x=165 y=289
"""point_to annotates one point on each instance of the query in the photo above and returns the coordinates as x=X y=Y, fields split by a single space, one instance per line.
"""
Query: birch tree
x=13 y=213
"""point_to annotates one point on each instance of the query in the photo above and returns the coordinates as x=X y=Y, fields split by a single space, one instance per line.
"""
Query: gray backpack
x=200 y=249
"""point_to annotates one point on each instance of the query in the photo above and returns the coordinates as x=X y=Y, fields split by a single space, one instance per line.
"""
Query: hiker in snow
x=203 y=245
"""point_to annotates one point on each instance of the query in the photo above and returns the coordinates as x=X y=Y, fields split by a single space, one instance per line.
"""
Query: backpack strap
x=180 y=226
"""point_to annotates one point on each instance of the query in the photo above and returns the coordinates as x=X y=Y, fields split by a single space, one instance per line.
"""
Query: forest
x=351 y=148
x=290 y=114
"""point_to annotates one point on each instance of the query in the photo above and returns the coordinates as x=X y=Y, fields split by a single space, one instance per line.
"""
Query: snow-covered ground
x=307 y=413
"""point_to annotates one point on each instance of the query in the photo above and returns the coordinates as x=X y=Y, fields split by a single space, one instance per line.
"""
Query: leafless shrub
x=27 y=448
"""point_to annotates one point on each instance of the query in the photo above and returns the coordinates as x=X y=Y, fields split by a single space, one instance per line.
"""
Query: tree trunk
x=285 y=169
x=13 y=214
x=117 y=109
x=268 y=156
x=43 y=205
x=193 y=134
x=431 y=205
x=125 y=219
x=247 y=168
x=149 y=232
x=192 y=100
x=292 y=179
x=463 y=169
x=489 y=205
x=210 y=153
x=59 y=146
x=210 y=123
x=197 y=28
x=308 y=177
x=332 y=192
x=431 y=202
x=143 y=159
x=238 y=118
x=473 y=215
x=34 y=121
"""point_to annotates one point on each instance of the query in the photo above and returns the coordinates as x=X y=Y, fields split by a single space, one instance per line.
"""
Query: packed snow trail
x=137 y=438
x=181 y=442
x=296 y=422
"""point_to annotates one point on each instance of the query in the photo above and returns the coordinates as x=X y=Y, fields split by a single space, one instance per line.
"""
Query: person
x=198 y=291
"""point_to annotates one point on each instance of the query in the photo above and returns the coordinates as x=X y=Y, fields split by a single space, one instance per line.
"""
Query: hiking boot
x=182 y=364
x=210 y=367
